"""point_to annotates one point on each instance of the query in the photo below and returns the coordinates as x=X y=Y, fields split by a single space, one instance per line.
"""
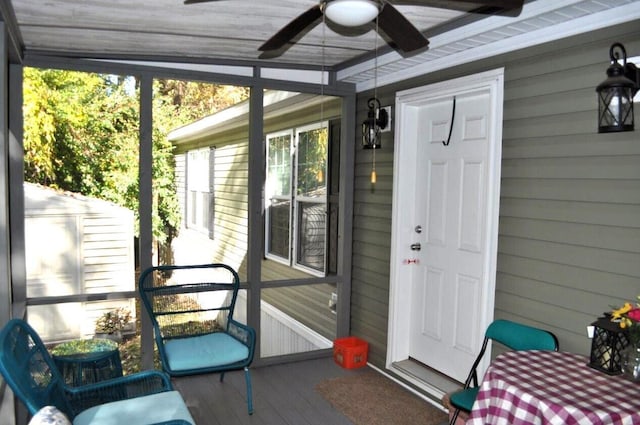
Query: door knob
x=416 y=246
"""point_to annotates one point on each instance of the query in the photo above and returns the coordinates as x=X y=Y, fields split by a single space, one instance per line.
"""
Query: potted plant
x=110 y=324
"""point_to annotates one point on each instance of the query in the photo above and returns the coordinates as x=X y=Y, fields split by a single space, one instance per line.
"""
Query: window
x=200 y=190
x=278 y=195
x=296 y=197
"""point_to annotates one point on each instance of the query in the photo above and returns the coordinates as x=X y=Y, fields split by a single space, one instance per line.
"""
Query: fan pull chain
x=320 y=175
x=374 y=176
x=322 y=73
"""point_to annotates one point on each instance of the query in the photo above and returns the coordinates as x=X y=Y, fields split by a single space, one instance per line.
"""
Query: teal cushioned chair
x=143 y=398
x=514 y=336
x=191 y=308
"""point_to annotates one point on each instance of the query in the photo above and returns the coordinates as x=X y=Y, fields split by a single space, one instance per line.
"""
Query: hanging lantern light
x=377 y=119
x=615 y=94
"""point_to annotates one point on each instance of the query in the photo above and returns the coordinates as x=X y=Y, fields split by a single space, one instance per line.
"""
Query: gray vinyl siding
x=107 y=248
x=569 y=239
x=569 y=233
x=371 y=244
x=308 y=304
x=230 y=184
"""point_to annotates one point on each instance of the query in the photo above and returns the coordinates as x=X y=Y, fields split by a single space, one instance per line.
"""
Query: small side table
x=85 y=361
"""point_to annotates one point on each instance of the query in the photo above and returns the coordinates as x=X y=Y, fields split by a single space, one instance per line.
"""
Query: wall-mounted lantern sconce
x=377 y=119
x=615 y=94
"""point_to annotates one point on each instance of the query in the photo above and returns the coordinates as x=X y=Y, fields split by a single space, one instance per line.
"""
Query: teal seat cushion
x=204 y=351
x=146 y=410
x=464 y=399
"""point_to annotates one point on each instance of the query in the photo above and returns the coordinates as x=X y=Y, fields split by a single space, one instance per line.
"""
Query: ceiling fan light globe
x=352 y=13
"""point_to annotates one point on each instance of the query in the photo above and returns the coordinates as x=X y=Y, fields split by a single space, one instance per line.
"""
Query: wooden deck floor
x=282 y=394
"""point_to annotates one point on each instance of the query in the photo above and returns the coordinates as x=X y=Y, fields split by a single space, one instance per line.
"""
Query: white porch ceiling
x=229 y=32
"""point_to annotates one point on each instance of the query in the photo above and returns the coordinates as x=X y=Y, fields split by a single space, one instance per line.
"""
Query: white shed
x=75 y=245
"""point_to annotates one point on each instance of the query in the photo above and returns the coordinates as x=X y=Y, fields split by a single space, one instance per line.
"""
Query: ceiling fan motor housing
x=351 y=13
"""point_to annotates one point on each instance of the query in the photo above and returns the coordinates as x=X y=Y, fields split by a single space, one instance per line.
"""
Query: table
x=551 y=387
x=85 y=361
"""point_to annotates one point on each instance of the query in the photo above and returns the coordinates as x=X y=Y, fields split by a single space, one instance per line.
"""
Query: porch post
x=256 y=167
x=145 y=207
x=345 y=226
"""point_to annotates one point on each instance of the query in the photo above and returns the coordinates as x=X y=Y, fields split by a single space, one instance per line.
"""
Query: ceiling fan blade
x=504 y=4
x=407 y=37
x=198 y=1
x=503 y=8
x=484 y=7
x=303 y=22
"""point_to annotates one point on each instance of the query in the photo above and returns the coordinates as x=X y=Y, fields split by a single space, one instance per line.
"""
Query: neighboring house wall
x=569 y=235
x=309 y=304
x=75 y=245
x=230 y=182
x=231 y=203
x=231 y=174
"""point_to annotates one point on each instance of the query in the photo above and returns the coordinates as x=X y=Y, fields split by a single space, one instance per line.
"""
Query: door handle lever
x=416 y=246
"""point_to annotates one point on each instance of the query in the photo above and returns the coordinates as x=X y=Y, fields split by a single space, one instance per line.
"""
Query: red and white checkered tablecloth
x=551 y=387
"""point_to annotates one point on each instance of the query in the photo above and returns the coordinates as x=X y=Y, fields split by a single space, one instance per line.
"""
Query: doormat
x=369 y=398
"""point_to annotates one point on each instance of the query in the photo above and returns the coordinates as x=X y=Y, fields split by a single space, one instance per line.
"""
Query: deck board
x=282 y=394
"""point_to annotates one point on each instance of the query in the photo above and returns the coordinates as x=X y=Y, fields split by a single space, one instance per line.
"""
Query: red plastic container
x=350 y=352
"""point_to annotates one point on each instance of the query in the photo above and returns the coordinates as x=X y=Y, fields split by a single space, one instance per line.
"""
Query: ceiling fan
x=355 y=13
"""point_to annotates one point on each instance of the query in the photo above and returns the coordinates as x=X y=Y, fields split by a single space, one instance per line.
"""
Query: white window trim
x=298 y=199
x=295 y=200
x=267 y=201
x=198 y=183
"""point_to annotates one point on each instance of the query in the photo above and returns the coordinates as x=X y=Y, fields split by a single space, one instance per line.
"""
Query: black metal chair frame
x=155 y=296
x=513 y=336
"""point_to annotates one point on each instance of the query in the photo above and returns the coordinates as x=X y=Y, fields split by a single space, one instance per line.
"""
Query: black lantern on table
x=609 y=340
x=615 y=94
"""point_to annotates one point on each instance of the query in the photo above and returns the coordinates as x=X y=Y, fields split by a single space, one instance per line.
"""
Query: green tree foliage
x=81 y=135
x=194 y=100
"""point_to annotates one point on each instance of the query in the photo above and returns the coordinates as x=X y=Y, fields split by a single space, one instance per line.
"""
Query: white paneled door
x=444 y=240
x=450 y=207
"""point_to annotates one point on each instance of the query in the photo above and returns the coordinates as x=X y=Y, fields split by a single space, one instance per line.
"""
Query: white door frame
x=407 y=103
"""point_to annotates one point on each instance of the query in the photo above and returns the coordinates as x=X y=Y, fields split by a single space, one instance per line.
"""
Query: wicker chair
x=142 y=398
x=191 y=308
